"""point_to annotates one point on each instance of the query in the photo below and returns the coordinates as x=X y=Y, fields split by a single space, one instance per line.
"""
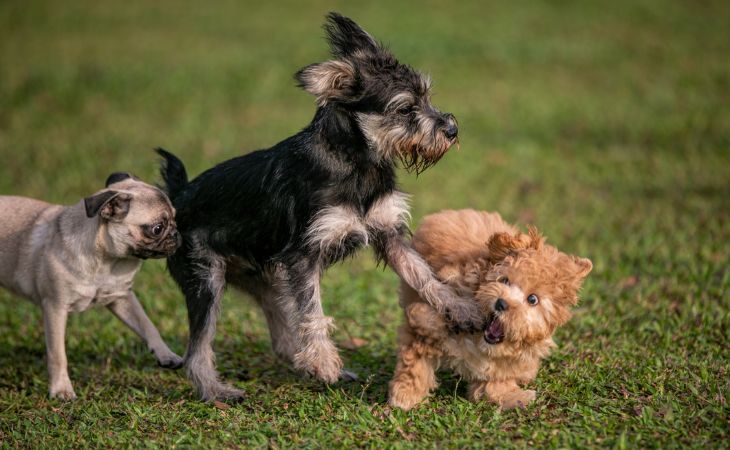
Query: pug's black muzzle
x=163 y=248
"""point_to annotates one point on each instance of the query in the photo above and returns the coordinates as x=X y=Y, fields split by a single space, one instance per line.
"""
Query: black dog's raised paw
x=462 y=319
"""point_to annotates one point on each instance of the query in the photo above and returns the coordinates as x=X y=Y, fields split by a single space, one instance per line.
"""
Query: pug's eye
x=157 y=229
x=532 y=299
x=503 y=279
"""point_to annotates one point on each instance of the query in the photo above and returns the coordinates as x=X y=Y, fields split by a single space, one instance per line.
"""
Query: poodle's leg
x=415 y=371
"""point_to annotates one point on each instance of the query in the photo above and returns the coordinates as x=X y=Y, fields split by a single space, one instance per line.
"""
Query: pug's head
x=135 y=219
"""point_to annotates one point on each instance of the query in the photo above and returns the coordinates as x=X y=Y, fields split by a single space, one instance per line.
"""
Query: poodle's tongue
x=494 y=334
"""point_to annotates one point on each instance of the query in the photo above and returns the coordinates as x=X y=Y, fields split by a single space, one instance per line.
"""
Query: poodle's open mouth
x=494 y=334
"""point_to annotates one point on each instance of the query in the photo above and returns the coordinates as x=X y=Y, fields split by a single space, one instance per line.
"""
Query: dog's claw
x=65 y=395
x=234 y=399
x=170 y=365
x=348 y=376
x=171 y=362
x=224 y=393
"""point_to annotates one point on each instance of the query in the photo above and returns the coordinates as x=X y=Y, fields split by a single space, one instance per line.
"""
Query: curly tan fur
x=485 y=260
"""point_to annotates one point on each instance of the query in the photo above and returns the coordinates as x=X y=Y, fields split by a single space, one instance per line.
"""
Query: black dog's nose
x=451 y=130
x=501 y=305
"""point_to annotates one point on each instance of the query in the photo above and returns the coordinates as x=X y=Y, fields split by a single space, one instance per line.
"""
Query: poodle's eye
x=502 y=279
x=532 y=299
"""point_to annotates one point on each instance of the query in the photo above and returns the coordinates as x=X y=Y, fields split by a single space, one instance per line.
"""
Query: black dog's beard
x=417 y=159
x=417 y=148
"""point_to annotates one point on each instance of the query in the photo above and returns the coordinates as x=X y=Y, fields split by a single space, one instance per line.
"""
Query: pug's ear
x=116 y=177
x=110 y=205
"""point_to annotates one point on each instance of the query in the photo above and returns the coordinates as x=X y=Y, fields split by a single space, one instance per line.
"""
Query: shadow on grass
x=21 y=367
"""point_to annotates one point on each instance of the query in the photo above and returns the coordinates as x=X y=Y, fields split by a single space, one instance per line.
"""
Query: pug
x=70 y=258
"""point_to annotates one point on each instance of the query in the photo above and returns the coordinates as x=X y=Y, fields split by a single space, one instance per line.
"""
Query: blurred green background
x=606 y=124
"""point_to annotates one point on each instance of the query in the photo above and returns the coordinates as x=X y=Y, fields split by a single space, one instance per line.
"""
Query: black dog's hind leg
x=278 y=309
x=202 y=280
x=278 y=312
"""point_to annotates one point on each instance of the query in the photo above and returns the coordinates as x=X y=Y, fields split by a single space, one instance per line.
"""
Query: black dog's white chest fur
x=339 y=228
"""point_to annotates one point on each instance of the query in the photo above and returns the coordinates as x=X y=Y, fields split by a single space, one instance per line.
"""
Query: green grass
x=607 y=126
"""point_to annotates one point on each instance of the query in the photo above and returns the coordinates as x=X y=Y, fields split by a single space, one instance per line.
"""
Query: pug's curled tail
x=173 y=173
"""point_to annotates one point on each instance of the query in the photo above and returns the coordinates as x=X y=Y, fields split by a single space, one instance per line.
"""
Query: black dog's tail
x=173 y=173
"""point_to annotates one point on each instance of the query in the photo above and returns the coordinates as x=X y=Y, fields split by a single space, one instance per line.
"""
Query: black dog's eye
x=503 y=280
x=157 y=229
x=532 y=299
x=404 y=110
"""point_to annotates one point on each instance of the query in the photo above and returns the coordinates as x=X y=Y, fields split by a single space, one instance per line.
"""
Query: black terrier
x=272 y=221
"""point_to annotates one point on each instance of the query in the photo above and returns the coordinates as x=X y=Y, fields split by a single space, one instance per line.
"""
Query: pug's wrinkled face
x=138 y=219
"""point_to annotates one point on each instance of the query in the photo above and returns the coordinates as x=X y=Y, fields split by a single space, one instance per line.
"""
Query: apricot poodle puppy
x=524 y=287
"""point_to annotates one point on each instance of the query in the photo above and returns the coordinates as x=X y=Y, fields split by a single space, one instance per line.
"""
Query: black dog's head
x=389 y=101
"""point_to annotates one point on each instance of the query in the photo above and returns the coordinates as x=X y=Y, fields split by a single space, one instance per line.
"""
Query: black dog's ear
x=110 y=205
x=330 y=80
x=346 y=37
x=116 y=177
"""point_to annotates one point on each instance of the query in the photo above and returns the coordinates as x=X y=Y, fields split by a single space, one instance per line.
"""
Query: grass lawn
x=607 y=126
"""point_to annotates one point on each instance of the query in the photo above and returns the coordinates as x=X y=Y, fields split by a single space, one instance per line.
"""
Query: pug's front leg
x=130 y=311
x=54 y=319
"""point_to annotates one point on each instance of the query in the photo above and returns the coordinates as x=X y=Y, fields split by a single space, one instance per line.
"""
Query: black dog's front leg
x=463 y=315
x=315 y=353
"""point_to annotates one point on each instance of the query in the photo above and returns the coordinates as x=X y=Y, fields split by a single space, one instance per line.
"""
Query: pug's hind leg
x=130 y=311
x=54 y=319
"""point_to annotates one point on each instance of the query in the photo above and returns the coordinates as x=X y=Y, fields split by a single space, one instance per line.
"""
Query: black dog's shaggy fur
x=271 y=221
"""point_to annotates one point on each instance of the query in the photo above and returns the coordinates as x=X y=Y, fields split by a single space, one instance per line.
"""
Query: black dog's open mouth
x=494 y=334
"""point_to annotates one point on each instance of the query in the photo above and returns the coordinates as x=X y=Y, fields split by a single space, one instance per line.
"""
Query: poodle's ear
x=574 y=270
x=536 y=239
x=328 y=81
x=583 y=266
x=502 y=245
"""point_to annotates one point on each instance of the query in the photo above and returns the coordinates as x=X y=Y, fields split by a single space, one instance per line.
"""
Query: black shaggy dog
x=272 y=221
